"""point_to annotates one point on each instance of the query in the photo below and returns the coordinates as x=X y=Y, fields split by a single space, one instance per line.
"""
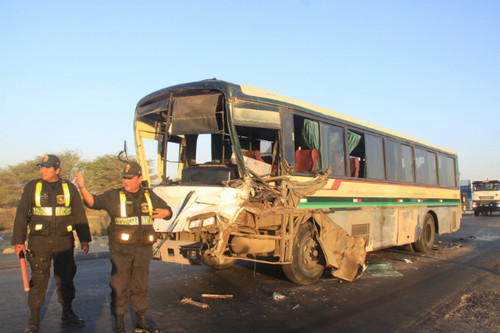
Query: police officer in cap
x=132 y=209
x=52 y=209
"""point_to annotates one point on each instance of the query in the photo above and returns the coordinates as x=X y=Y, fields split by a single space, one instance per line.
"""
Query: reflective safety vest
x=38 y=210
x=135 y=229
x=134 y=220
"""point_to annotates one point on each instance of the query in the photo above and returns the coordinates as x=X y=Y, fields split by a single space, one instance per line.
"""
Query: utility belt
x=128 y=230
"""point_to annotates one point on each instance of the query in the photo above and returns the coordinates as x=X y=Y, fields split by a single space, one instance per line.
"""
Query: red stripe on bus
x=337 y=182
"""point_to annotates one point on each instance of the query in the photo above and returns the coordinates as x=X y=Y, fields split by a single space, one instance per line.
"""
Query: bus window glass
x=374 y=157
x=425 y=167
x=392 y=158
x=332 y=147
x=446 y=171
x=398 y=160
x=406 y=164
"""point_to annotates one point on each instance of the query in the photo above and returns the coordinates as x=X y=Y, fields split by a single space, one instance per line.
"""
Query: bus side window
x=356 y=145
x=307 y=145
x=332 y=148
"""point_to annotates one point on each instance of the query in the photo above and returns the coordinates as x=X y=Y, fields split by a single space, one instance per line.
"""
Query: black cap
x=131 y=170
x=50 y=161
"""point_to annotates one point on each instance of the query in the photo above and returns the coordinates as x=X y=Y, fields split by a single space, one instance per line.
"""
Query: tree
x=102 y=173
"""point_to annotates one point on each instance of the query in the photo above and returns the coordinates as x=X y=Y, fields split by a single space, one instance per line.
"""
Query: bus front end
x=485 y=197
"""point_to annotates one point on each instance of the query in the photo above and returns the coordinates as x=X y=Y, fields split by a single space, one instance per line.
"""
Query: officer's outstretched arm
x=87 y=196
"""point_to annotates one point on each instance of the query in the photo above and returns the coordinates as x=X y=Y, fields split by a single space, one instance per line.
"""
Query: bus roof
x=231 y=90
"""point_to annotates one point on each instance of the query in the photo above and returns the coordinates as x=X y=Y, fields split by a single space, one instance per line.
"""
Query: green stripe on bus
x=322 y=202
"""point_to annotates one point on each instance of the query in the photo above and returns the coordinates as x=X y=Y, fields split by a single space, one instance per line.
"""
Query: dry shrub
x=7 y=218
x=98 y=222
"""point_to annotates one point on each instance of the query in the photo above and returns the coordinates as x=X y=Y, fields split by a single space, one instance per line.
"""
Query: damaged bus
x=252 y=175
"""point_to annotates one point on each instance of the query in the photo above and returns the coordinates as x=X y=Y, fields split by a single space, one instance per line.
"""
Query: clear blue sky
x=73 y=71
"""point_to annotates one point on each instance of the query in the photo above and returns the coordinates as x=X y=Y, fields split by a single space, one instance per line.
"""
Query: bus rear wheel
x=426 y=240
x=306 y=267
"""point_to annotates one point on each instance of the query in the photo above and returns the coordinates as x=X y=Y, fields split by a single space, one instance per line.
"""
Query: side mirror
x=124 y=151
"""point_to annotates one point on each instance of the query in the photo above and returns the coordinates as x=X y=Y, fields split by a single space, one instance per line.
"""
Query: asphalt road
x=455 y=288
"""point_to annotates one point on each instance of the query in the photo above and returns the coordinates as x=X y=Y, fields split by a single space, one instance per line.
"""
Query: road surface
x=455 y=288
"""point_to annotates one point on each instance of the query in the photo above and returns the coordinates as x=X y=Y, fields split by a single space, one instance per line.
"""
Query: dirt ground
x=478 y=308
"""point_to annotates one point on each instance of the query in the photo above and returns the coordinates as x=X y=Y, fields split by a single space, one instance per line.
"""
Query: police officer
x=52 y=208
x=132 y=209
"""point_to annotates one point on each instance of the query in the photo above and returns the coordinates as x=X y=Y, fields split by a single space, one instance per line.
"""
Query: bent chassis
x=268 y=227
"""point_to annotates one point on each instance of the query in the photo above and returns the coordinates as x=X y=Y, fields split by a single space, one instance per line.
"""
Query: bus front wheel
x=426 y=240
x=306 y=267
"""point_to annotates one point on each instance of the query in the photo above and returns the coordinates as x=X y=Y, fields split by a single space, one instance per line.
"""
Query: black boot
x=143 y=326
x=34 y=322
x=119 y=325
x=70 y=318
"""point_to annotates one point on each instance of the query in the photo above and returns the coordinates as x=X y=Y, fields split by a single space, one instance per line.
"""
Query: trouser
x=129 y=277
x=64 y=272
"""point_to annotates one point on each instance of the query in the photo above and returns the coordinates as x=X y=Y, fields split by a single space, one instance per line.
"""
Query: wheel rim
x=310 y=253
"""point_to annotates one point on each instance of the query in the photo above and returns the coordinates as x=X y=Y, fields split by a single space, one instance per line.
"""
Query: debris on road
x=407 y=261
x=296 y=307
x=187 y=300
x=216 y=295
x=383 y=269
x=278 y=297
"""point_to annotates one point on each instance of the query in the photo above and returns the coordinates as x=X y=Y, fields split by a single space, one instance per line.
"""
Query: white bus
x=253 y=175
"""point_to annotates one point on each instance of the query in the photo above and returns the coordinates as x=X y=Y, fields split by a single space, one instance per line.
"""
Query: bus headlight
x=202 y=221
x=209 y=221
x=194 y=224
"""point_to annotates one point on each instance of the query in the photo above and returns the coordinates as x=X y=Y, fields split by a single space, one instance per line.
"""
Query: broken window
x=357 y=156
x=307 y=145
x=260 y=149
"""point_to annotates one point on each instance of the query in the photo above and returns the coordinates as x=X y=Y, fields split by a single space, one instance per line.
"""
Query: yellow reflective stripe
x=38 y=192
x=123 y=204
x=150 y=205
x=127 y=220
x=66 y=194
x=146 y=220
x=42 y=211
x=63 y=211
x=47 y=211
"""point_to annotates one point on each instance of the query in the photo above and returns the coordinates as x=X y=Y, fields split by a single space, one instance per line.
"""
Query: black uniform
x=51 y=214
x=131 y=236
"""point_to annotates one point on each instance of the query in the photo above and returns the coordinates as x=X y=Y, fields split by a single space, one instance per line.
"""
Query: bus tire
x=217 y=263
x=306 y=267
x=426 y=240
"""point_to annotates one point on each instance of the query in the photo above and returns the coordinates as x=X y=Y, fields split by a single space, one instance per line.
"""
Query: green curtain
x=310 y=138
x=353 y=140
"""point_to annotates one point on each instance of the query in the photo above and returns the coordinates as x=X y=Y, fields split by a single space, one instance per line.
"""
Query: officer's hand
x=85 y=247
x=79 y=180
x=18 y=248
x=160 y=213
